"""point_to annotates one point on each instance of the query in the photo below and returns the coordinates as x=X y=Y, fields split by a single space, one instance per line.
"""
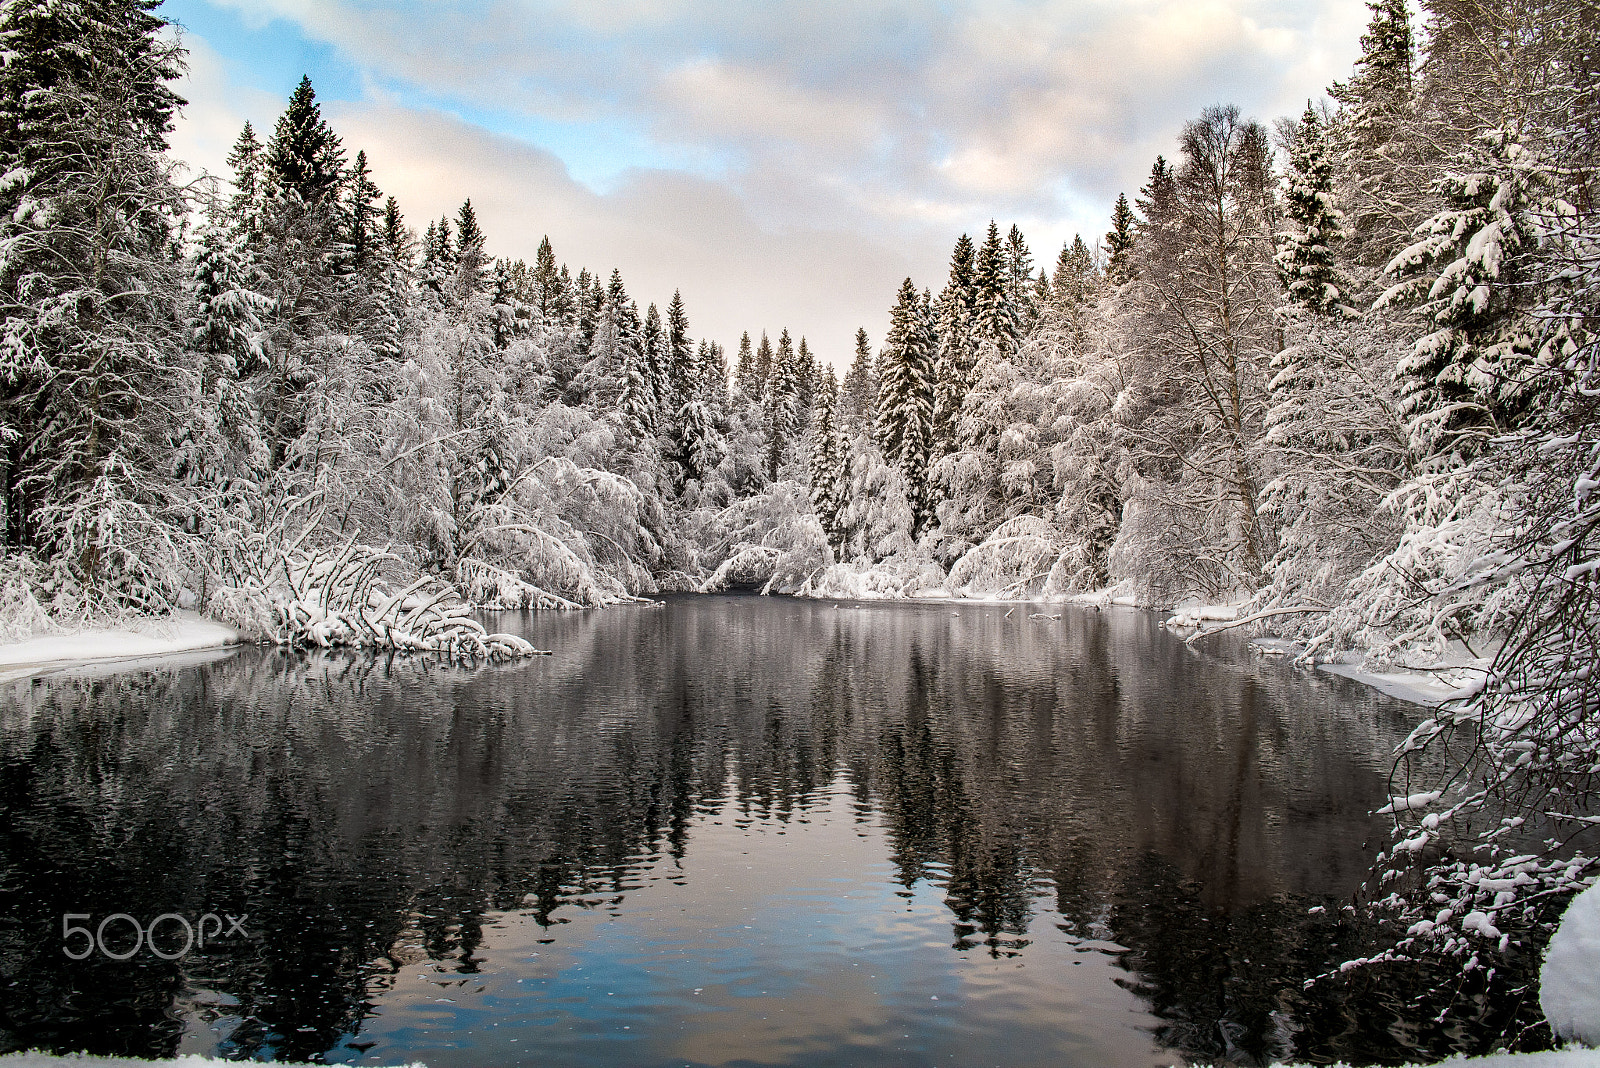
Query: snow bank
x=1565 y=1058
x=35 y=1059
x=181 y=633
x=1569 y=985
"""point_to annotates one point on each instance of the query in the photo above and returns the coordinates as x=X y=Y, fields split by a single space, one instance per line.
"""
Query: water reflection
x=968 y=790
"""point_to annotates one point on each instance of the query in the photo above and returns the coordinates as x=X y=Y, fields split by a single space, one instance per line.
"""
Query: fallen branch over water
x=1202 y=631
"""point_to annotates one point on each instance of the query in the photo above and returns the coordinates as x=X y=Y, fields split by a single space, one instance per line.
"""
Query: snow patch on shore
x=1569 y=984
x=1562 y=1058
x=36 y=1059
x=182 y=632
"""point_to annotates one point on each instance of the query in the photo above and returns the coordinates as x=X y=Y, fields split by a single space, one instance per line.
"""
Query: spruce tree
x=246 y=160
x=905 y=398
x=860 y=390
x=1306 y=258
x=88 y=284
x=782 y=406
x=1119 y=242
x=1019 y=281
x=363 y=213
x=745 y=378
x=997 y=323
x=681 y=370
x=399 y=240
x=470 y=261
x=830 y=463
x=305 y=156
x=955 y=365
x=545 y=280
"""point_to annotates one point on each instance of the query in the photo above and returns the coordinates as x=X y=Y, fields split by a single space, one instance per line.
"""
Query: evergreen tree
x=830 y=464
x=1380 y=168
x=363 y=213
x=955 y=365
x=997 y=323
x=1019 y=281
x=681 y=369
x=397 y=238
x=246 y=160
x=860 y=390
x=1119 y=242
x=305 y=157
x=763 y=364
x=1471 y=274
x=470 y=261
x=88 y=284
x=745 y=378
x=1306 y=259
x=782 y=401
x=905 y=397
x=546 y=281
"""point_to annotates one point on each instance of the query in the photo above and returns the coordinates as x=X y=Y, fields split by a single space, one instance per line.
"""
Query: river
x=713 y=831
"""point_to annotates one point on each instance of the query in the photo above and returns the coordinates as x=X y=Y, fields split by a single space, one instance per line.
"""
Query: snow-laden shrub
x=771 y=540
x=22 y=614
x=1013 y=561
x=292 y=585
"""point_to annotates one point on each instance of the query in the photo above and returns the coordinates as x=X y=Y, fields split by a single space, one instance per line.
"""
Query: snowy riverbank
x=182 y=632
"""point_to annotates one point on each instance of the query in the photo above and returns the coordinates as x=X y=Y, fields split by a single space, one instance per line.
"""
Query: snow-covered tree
x=906 y=399
x=1306 y=250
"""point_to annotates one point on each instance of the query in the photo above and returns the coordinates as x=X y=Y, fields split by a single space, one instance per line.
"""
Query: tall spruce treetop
x=305 y=155
x=1119 y=242
x=996 y=314
x=860 y=390
x=1381 y=87
x=905 y=396
x=682 y=369
x=1306 y=259
x=1075 y=275
x=363 y=213
x=471 y=262
x=246 y=161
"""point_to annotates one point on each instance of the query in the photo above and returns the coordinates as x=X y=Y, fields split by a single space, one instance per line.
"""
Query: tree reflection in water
x=1181 y=812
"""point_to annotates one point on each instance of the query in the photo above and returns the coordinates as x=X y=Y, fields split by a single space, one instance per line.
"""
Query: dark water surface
x=726 y=831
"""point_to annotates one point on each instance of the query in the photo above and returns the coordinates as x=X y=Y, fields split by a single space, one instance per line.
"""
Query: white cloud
x=834 y=127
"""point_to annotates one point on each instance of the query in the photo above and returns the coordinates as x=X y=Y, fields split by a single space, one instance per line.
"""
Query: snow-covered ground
x=181 y=633
x=79 y=1060
x=1566 y=1058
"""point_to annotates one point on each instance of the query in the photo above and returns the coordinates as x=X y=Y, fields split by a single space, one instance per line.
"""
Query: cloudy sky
x=782 y=164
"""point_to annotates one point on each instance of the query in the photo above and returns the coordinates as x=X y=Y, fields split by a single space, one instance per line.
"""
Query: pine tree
x=955 y=365
x=905 y=398
x=830 y=463
x=363 y=213
x=1306 y=259
x=1119 y=242
x=745 y=378
x=782 y=401
x=305 y=157
x=997 y=322
x=860 y=389
x=246 y=160
x=397 y=238
x=87 y=287
x=470 y=261
x=681 y=369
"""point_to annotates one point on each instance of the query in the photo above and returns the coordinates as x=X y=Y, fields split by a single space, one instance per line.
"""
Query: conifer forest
x=1337 y=368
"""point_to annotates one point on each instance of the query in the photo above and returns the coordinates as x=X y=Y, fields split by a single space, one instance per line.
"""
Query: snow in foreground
x=1569 y=985
x=183 y=632
x=80 y=1060
x=1569 y=1058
